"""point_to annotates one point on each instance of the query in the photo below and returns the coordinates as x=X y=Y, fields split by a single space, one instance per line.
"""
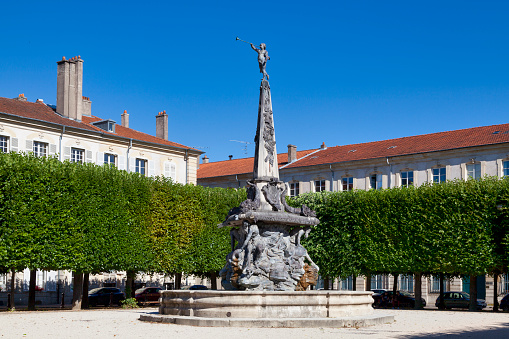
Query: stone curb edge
x=289 y=322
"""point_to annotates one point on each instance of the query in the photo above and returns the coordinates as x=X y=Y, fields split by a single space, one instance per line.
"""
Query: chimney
x=21 y=97
x=39 y=101
x=70 y=87
x=292 y=153
x=323 y=146
x=230 y=156
x=162 y=125
x=125 y=119
x=205 y=159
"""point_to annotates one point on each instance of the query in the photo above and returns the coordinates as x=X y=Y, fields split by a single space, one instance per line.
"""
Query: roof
x=470 y=137
x=41 y=111
x=240 y=166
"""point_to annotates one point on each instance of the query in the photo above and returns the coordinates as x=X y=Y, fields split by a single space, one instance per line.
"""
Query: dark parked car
x=198 y=287
x=504 y=303
x=405 y=299
x=107 y=296
x=459 y=300
x=147 y=294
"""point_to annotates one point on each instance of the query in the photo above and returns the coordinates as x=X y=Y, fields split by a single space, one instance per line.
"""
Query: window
x=438 y=175
x=347 y=284
x=110 y=159
x=141 y=166
x=406 y=283
x=407 y=178
x=347 y=183
x=375 y=181
x=77 y=155
x=379 y=281
x=40 y=149
x=435 y=284
x=3 y=144
x=506 y=169
x=474 y=171
x=319 y=185
x=294 y=189
x=3 y=282
x=504 y=286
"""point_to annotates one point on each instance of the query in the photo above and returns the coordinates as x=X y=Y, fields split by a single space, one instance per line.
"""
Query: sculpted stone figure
x=263 y=57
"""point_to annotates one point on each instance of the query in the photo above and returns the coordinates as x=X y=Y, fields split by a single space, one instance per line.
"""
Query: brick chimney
x=162 y=125
x=21 y=97
x=323 y=146
x=70 y=101
x=205 y=159
x=125 y=119
x=292 y=153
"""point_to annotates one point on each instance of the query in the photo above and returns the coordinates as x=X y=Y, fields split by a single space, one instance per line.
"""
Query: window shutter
x=121 y=163
x=30 y=146
x=100 y=158
x=167 y=172
x=14 y=144
x=173 y=171
x=151 y=169
x=132 y=164
x=89 y=156
x=67 y=153
x=52 y=149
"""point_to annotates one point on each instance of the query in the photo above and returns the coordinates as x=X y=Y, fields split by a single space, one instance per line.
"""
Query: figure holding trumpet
x=263 y=57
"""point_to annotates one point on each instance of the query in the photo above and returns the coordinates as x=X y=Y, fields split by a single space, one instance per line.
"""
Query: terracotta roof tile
x=470 y=137
x=239 y=166
x=42 y=112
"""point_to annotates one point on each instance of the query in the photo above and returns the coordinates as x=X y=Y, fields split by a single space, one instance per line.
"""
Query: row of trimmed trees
x=88 y=219
x=458 y=228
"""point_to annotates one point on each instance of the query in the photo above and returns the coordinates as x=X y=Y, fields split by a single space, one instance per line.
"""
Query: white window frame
x=138 y=168
x=405 y=179
x=348 y=183
x=4 y=144
x=40 y=149
x=170 y=170
x=505 y=168
x=379 y=281
x=320 y=185
x=346 y=284
x=294 y=188
x=378 y=181
x=406 y=282
x=108 y=157
x=473 y=170
x=77 y=155
x=436 y=174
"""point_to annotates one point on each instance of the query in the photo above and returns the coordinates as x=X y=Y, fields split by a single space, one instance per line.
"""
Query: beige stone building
x=70 y=131
x=414 y=160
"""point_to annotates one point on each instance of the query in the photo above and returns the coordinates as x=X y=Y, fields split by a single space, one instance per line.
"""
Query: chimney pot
x=323 y=146
x=162 y=125
x=205 y=159
x=125 y=119
x=230 y=156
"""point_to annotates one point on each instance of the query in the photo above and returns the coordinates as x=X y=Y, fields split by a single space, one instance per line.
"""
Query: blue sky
x=341 y=72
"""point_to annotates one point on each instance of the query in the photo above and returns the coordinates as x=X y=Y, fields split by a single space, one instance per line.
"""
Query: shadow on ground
x=500 y=331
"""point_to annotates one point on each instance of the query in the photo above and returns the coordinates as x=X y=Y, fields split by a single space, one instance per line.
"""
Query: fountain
x=268 y=271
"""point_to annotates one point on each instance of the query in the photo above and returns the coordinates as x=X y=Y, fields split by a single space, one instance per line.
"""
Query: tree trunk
x=326 y=283
x=495 y=292
x=178 y=281
x=13 y=287
x=395 y=284
x=367 y=282
x=418 y=291
x=473 y=293
x=84 y=302
x=441 y=306
x=354 y=282
x=77 y=292
x=129 y=284
x=213 y=280
x=31 y=290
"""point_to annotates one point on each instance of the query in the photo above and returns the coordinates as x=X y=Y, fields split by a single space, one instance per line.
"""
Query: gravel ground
x=125 y=324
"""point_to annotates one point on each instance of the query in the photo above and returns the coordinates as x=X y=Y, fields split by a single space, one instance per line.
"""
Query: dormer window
x=107 y=125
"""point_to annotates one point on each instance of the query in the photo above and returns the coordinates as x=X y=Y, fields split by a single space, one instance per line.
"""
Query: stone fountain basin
x=266 y=304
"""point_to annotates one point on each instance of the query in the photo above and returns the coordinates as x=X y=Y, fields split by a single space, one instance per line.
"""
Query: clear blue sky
x=341 y=72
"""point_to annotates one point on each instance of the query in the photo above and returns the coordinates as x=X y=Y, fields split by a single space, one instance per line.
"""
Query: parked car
x=147 y=294
x=459 y=300
x=198 y=287
x=107 y=296
x=504 y=303
x=405 y=299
